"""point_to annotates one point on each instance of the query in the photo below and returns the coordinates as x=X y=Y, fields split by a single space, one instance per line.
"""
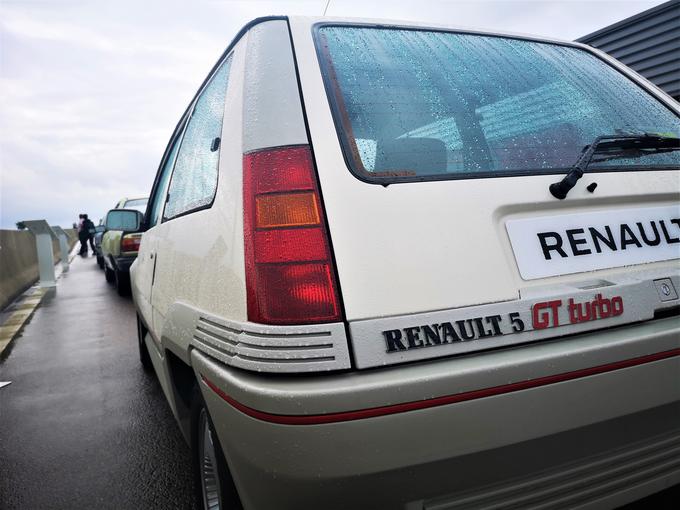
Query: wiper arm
x=617 y=145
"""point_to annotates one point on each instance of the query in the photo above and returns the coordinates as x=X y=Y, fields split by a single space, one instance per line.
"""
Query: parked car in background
x=138 y=204
x=405 y=267
x=119 y=244
x=98 y=234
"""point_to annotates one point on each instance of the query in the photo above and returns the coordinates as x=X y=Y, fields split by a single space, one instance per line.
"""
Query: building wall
x=648 y=42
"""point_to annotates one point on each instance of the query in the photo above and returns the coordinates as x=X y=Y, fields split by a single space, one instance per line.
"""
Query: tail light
x=130 y=243
x=290 y=278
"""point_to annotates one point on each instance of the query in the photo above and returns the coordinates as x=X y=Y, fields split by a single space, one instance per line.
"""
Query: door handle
x=151 y=255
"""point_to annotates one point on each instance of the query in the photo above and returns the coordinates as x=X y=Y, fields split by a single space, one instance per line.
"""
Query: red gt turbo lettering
x=543 y=314
x=546 y=314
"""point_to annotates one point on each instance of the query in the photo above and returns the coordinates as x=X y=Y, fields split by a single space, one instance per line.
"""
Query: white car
x=413 y=267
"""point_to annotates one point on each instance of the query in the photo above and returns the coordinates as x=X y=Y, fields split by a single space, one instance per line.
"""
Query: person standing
x=90 y=230
x=82 y=235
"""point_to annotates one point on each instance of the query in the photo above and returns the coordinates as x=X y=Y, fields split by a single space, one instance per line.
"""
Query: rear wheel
x=209 y=473
x=214 y=485
x=122 y=283
x=109 y=275
x=144 y=357
x=100 y=261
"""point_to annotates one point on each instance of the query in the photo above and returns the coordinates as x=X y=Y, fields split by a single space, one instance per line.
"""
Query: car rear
x=128 y=243
x=427 y=326
x=118 y=248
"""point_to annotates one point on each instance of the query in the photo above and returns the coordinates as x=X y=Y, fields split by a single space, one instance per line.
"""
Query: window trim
x=156 y=189
x=348 y=144
x=176 y=136
x=223 y=60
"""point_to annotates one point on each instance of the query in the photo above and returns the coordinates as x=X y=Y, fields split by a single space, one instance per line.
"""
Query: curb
x=23 y=310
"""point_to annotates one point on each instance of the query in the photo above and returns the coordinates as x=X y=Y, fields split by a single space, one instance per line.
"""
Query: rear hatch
x=435 y=152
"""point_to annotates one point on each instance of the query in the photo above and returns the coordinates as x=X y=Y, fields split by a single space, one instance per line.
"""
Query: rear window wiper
x=612 y=147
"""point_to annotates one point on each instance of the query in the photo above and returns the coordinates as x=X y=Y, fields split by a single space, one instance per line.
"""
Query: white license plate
x=574 y=243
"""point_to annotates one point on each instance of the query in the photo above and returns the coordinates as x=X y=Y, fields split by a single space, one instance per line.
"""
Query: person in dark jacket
x=82 y=237
x=90 y=231
x=85 y=234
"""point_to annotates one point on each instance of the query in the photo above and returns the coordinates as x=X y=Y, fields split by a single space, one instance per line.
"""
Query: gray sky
x=90 y=91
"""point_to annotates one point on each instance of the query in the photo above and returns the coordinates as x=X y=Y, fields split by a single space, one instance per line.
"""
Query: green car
x=118 y=248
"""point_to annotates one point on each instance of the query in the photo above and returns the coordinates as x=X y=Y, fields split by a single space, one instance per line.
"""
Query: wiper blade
x=612 y=147
x=629 y=154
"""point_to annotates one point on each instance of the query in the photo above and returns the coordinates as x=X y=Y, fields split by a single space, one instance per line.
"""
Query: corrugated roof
x=648 y=42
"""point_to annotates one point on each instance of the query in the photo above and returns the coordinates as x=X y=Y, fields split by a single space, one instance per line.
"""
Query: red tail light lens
x=130 y=243
x=290 y=277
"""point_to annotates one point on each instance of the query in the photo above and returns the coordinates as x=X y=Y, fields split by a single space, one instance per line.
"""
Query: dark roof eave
x=671 y=4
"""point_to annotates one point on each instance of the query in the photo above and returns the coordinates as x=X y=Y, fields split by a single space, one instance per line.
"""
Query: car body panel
x=111 y=243
x=373 y=462
x=182 y=255
x=338 y=393
x=99 y=234
x=142 y=275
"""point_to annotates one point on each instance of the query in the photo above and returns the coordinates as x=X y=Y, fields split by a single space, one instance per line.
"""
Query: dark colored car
x=98 y=234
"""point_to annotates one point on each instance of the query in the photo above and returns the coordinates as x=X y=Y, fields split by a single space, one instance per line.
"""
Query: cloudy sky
x=90 y=90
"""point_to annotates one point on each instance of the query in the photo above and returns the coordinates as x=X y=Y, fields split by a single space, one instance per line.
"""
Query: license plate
x=574 y=243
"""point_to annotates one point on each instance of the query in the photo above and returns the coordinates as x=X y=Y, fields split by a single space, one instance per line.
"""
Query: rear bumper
x=122 y=264
x=556 y=439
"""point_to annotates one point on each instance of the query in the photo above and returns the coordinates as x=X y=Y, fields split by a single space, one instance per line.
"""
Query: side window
x=158 y=200
x=194 y=180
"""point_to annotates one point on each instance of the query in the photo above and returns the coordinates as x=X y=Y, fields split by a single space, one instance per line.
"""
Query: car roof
x=388 y=23
x=126 y=199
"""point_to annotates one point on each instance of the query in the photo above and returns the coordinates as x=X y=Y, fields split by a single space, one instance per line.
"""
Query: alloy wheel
x=210 y=483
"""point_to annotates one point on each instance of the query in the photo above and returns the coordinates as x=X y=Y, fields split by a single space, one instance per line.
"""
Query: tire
x=122 y=283
x=215 y=489
x=144 y=357
x=100 y=262
x=109 y=274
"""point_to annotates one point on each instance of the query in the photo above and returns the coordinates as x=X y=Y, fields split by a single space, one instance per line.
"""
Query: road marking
x=3 y=384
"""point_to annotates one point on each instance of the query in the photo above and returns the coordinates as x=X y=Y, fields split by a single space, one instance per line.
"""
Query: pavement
x=81 y=424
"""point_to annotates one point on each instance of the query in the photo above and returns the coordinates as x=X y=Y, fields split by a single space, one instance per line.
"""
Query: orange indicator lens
x=286 y=210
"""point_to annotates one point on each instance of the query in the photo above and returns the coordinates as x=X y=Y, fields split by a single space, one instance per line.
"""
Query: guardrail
x=19 y=264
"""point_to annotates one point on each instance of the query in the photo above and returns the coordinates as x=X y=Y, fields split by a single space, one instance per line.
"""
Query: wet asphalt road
x=82 y=425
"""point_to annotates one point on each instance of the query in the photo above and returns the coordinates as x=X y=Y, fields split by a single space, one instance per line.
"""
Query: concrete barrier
x=19 y=262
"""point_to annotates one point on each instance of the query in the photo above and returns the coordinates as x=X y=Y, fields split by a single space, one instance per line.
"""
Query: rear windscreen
x=415 y=104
